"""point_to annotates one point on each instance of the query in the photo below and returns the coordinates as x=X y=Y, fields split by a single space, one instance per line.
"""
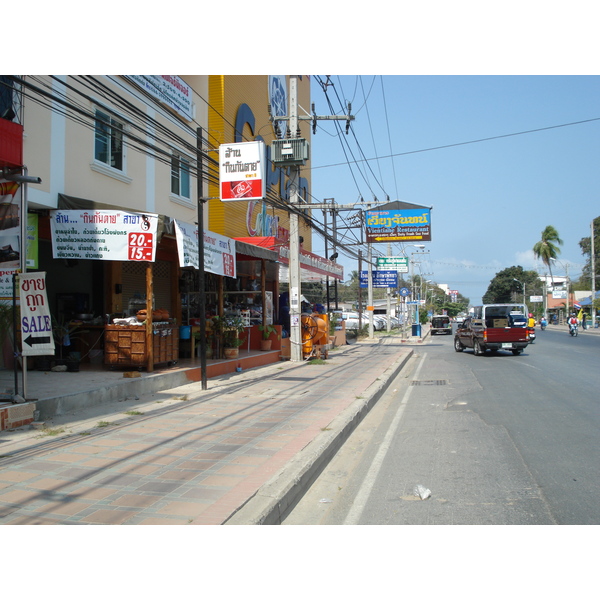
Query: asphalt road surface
x=497 y=439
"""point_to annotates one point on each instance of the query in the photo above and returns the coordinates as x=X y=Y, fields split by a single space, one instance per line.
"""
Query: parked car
x=351 y=320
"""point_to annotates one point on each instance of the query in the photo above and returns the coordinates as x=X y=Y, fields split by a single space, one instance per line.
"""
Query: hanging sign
x=219 y=251
x=103 y=235
x=36 y=321
x=398 y=225
x=390 y=263
x=242 y=171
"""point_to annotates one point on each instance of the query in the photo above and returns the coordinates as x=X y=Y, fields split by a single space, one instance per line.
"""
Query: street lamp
x=522 y=287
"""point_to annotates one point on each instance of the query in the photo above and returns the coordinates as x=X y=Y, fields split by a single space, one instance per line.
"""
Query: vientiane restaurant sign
x=398 y=225
x=219 y=251
x=242 y=171
x=103 y=235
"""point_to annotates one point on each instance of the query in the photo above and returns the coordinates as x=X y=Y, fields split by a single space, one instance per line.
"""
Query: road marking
x=362 y=498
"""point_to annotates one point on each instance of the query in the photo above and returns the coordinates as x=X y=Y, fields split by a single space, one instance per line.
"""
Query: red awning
x=310 y=262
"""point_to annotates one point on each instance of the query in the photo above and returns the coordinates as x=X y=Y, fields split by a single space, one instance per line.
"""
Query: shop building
x=105 y=144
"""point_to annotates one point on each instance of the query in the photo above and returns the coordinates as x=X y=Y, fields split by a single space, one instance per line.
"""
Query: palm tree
x=547 y=248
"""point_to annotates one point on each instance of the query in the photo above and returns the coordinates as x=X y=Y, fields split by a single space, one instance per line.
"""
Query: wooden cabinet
x=125 y=345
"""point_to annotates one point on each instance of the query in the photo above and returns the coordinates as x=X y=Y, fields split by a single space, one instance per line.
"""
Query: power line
x=496 y=137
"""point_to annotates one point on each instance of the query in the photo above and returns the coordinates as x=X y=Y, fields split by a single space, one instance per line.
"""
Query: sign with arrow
x=36 y=321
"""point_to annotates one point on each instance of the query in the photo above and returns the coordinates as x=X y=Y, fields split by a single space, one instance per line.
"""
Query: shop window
x=180 y=176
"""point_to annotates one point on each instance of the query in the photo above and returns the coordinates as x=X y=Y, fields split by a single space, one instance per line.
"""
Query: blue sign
x=381 y=279
x=404 y=292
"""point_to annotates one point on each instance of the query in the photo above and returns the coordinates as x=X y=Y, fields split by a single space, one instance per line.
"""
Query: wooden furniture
x=125 y=345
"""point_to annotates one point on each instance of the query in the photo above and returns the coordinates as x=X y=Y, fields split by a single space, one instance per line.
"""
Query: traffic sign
x=393 y=263
x=380 y=279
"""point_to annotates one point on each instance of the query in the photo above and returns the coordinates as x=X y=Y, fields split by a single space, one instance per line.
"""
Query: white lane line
x=362 y=497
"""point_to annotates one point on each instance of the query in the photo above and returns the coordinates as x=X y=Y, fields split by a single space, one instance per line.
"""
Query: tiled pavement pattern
x=197 y=459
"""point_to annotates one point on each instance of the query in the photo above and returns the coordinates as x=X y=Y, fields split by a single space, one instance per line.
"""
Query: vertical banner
x=36 y=321
x=242 y=171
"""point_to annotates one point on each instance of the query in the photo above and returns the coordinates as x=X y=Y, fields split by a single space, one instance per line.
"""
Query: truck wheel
x=516 y=352
x=477 y=348
x=458 y=346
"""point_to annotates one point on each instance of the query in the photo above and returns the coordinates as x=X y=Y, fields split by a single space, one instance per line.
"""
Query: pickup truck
x=494 y=327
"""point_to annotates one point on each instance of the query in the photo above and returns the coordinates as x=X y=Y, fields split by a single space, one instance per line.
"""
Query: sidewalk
x=239 y=452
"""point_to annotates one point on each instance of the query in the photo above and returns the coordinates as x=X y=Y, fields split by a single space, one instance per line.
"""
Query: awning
x=255 y=251
x=165 y=224
x=315 y=267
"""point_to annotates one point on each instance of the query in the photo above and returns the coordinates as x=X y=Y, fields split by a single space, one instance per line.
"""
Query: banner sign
x=242 y=171
x=103 y=235
x=398 y=225
x=380 y=279
x=536 y=298
x=219 y=251
x=170 y=90
x=36 y=321
x=313 y=263
x=393 y=263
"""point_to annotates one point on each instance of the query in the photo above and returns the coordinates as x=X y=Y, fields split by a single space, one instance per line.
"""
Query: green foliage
x=267 y=330
x=547 y=248
x=503 y=288
x=586 y=249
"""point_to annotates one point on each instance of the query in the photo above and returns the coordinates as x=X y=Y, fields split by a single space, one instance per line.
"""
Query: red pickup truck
x=494 y=327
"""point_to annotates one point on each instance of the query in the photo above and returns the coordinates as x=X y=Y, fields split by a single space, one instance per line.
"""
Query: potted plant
x=266 y=331
x=229 y=328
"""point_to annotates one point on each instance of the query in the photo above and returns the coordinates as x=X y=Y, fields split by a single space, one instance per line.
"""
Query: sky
x=536 y=166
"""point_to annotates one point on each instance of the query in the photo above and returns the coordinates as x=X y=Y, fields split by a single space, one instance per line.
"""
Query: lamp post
x=412 y=278
x=522 y=287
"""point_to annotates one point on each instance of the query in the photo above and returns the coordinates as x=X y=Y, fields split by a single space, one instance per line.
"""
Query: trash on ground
x=325 y=500
x=422 y=492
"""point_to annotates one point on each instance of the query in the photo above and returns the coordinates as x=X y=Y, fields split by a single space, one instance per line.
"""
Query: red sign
x=139 y=246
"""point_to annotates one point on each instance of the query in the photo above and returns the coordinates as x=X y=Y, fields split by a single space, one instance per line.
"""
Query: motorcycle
x=531 y=334
x=543 y=324
x=573 y=330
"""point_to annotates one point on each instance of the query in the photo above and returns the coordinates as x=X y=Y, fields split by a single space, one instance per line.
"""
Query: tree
x=547 y=248
x=507 y=286
x=586 y=249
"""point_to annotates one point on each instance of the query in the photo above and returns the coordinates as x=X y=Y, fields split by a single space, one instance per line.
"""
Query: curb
x=274 y=499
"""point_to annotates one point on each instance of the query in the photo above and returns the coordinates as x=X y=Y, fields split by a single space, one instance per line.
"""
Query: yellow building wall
x=231 y=97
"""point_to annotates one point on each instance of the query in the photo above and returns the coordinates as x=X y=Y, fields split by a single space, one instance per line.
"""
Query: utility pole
x=294 y=260
x=593 y=265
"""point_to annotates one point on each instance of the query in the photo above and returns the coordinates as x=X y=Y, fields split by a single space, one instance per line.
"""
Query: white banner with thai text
x=219 y=251
x=103 y=235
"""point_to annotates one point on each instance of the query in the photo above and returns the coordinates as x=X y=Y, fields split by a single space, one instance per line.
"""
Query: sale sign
x=103 y=235
x=36 y=321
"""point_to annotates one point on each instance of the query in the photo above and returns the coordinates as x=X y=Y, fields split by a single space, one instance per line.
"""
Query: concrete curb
x=147 y=384
x=274 y=499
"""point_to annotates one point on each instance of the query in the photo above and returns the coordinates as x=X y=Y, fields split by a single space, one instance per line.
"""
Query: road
x=497 y=439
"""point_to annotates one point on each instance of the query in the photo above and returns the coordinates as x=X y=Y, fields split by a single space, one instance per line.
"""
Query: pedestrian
x=584 y=321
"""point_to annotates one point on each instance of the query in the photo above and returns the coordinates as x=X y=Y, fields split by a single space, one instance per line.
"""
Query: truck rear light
x=485 y=335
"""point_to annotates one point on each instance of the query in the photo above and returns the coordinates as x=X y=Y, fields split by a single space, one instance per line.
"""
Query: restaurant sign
x=402 y=225
x=103 y=235
x=242 y=171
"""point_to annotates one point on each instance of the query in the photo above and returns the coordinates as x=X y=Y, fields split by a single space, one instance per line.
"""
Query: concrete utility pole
x=294 y=260
x=593 y=265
